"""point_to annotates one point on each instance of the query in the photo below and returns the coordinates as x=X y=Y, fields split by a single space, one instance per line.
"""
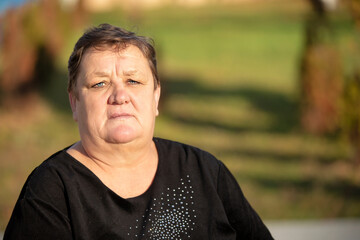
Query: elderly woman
x=118 y=181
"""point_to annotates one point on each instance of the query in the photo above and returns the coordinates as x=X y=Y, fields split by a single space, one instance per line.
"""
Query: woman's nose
x=119 y=95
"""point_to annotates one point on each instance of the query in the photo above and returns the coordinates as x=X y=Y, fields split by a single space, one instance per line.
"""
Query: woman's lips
x=121 y=116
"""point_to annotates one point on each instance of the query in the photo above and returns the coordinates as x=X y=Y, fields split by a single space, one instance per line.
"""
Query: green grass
x=230 y=86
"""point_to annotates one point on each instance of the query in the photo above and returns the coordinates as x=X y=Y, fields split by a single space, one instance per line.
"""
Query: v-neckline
x=99 y=181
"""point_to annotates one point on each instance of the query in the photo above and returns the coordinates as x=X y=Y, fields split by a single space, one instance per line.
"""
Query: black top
x=193 y=196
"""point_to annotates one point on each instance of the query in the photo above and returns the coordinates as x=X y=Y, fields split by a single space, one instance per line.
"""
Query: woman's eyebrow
x=127 y=73
x=100 y=74
x=130 y=72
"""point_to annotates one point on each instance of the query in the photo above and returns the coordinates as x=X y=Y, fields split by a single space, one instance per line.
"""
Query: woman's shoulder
x=48 y=176
x=170 y=149
x=172 y=145
x=54 y=164
x=42 y=197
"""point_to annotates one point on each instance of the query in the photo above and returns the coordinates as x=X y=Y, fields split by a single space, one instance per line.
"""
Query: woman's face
x=116 y=102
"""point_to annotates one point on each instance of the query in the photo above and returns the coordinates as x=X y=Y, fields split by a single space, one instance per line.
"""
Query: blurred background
x=271 y=87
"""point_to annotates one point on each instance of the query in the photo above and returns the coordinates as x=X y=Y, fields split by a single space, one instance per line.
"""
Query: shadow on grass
x=282 y=110
x=276 y=156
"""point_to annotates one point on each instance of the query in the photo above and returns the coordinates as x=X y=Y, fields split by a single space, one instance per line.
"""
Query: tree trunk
x=321 y=75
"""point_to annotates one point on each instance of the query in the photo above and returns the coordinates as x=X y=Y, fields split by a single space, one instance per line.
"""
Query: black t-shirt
x=193 y=196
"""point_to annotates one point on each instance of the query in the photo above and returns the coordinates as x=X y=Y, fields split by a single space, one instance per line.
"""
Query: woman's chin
x=122 y=137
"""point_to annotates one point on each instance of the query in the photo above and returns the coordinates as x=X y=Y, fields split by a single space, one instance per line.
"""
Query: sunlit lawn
x=230 y=86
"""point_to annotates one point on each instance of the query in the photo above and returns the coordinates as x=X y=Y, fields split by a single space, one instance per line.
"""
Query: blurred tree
x=321 y=74
x=33 y=38
x=18 y=54
x=351 y=116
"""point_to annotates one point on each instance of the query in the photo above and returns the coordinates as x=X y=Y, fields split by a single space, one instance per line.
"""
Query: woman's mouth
x=121 y=116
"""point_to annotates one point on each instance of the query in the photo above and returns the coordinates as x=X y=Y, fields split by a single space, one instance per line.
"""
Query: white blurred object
x=336 y=229
x=68 y=4
x=330 y=4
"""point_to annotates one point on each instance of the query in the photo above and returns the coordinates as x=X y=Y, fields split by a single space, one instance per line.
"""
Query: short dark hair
x=109 y=35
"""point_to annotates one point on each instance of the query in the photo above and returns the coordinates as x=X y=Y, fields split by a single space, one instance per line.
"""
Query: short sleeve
x=241 y=215
x=40 y=211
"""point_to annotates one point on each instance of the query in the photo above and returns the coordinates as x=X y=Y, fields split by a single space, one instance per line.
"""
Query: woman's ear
x=157 y=94
x=73 y=101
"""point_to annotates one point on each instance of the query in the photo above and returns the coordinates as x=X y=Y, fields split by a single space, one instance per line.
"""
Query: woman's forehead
x=129 y=61
x=101 y=58
x=116 y=49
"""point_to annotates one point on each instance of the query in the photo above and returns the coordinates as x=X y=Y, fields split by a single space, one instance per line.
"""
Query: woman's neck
x=128 y=172
x=122 y=155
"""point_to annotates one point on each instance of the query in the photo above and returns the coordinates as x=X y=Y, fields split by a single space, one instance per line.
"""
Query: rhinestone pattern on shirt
x=171 y=216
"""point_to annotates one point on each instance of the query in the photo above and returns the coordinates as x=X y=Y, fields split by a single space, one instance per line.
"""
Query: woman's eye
x=133 y=82
x=99 y=85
